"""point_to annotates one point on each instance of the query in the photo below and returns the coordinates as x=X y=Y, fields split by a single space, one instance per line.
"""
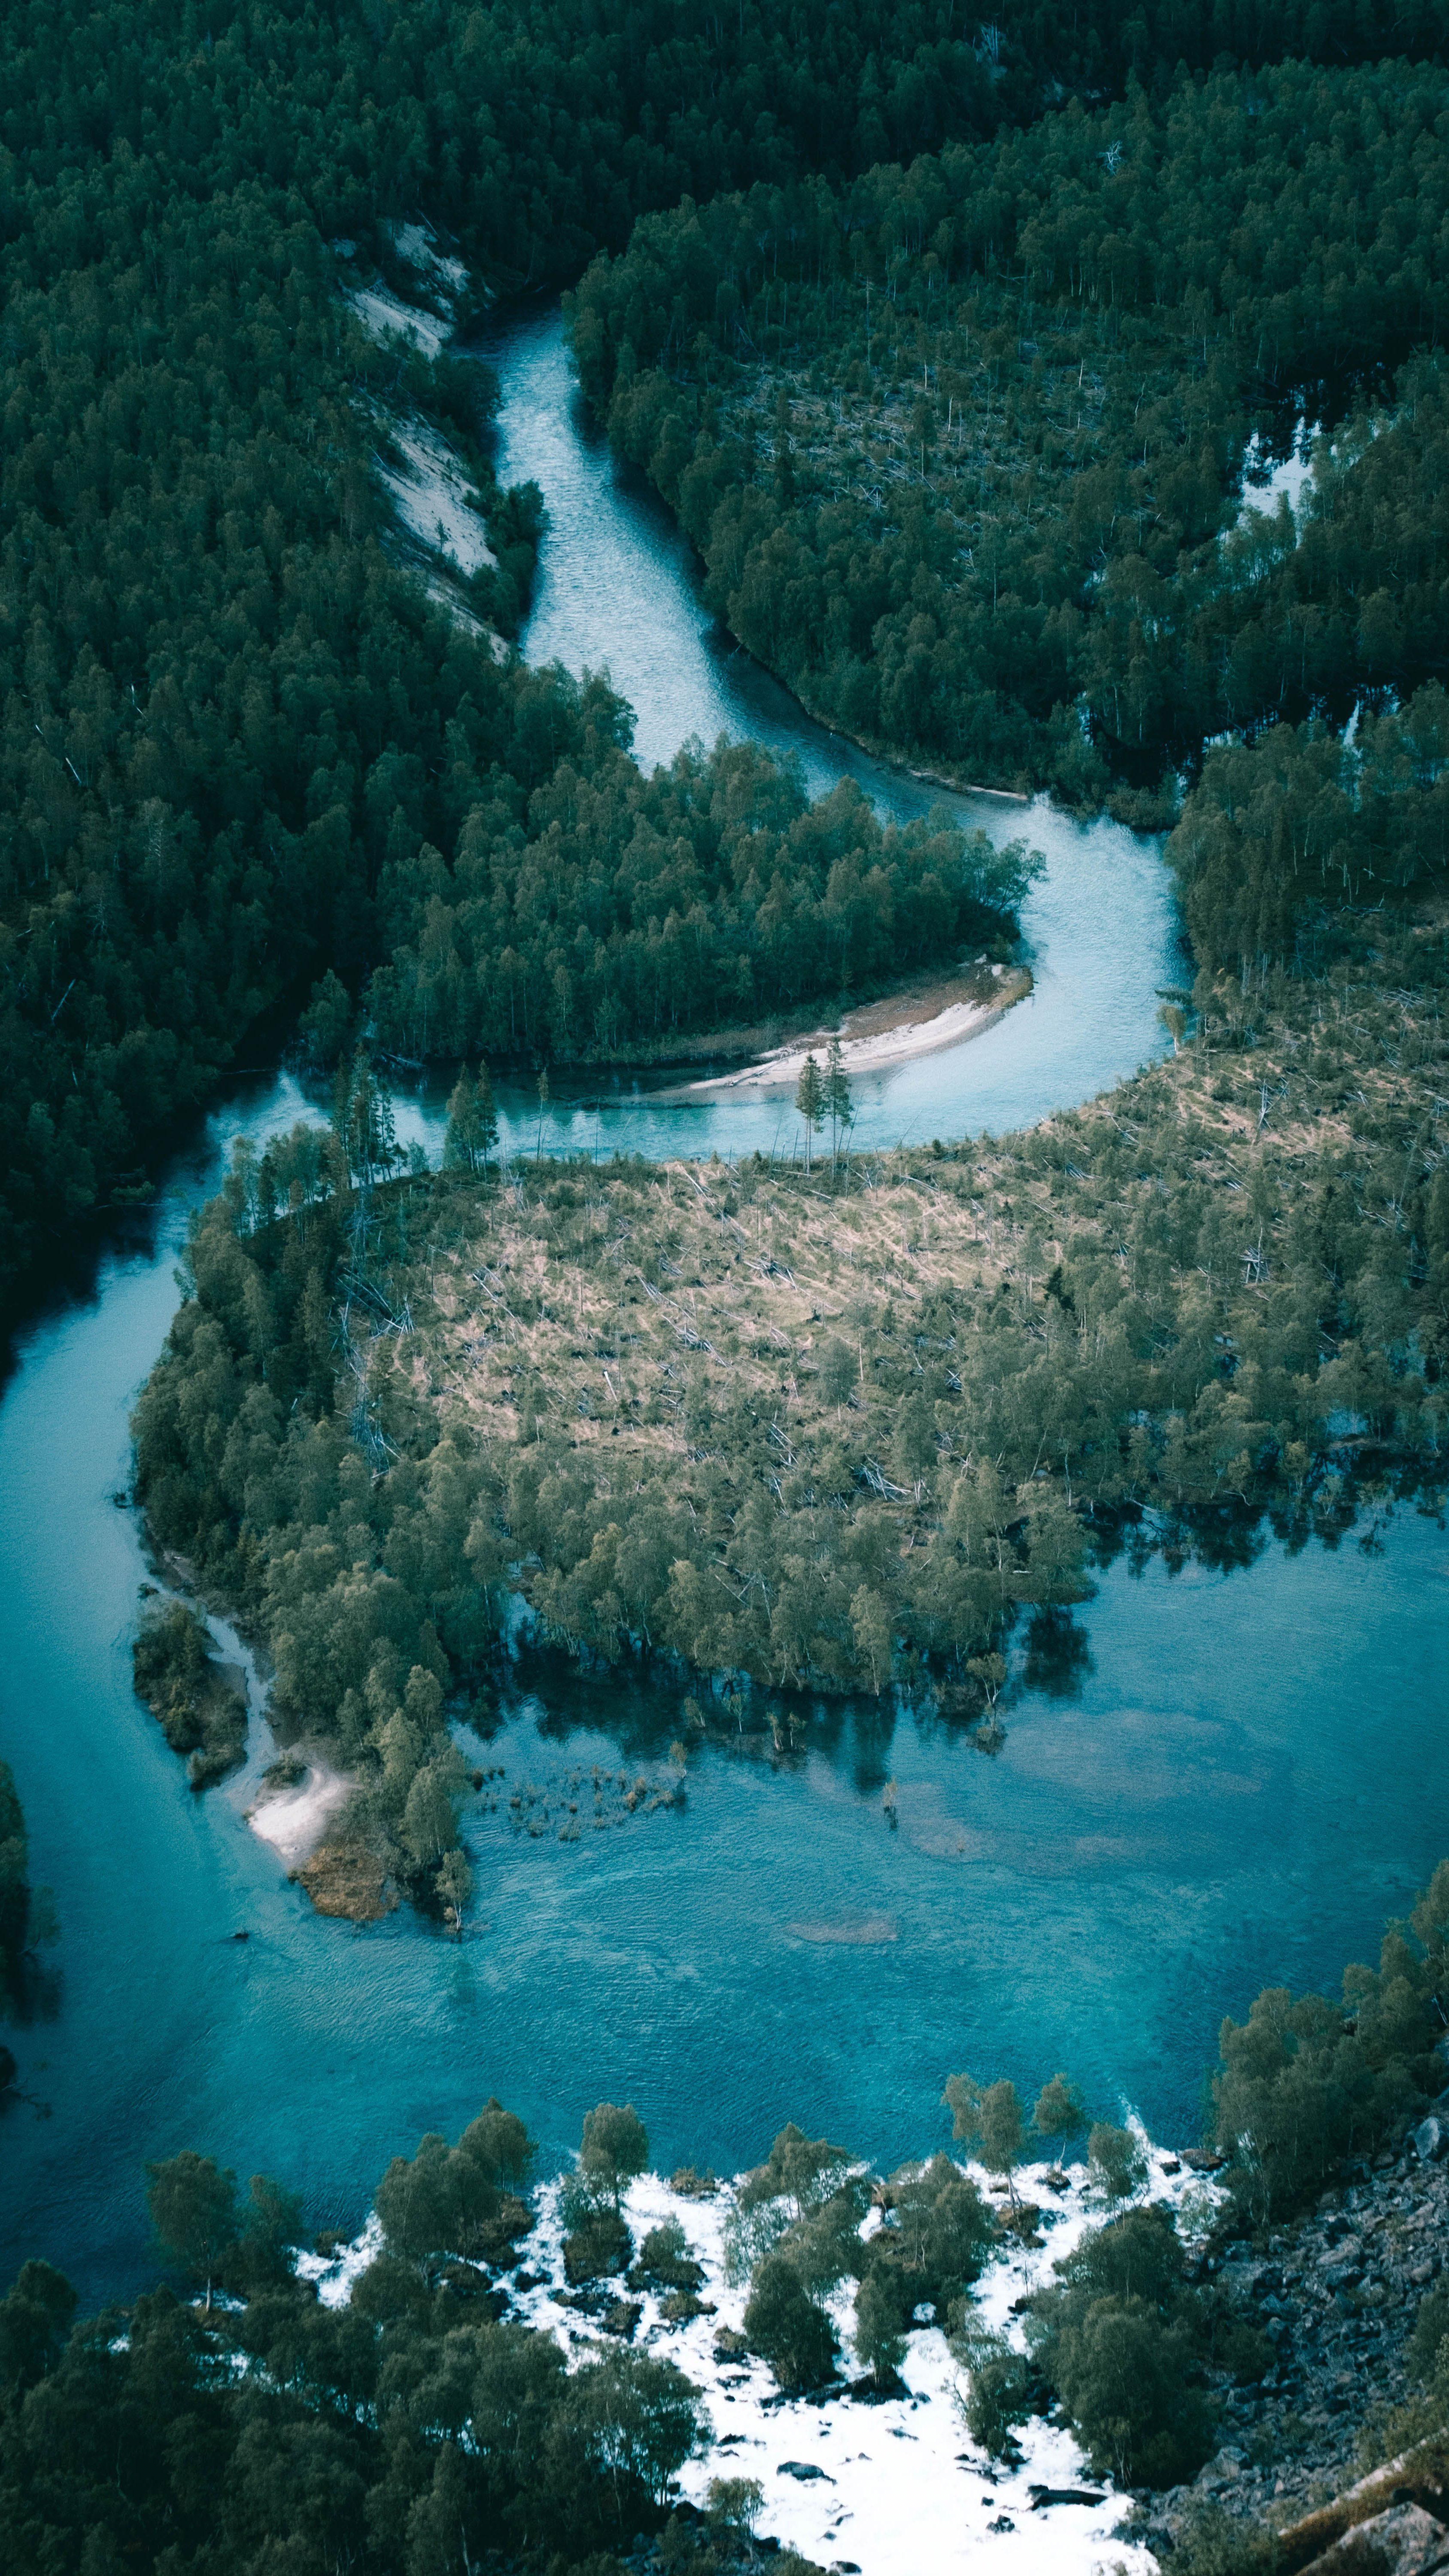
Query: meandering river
x=617 y=589
x=1232 y=1778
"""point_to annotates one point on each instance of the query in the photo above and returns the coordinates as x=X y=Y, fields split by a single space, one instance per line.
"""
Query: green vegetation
x=959 y=442
x=795 y=2230
x=1125 y=2341
x=597 y=2241
x=411 y=2429
x=461 y=2200
x=1306 y=2082
x=952 y=395
x=207 y=2238
x=230 y=711
x=228 y=688
x=987 y=2119
x=239 y=731
x=627 y=912
x=1289 y=828
x=202 y=1708
x=1128 y=2341
x=825 y=1430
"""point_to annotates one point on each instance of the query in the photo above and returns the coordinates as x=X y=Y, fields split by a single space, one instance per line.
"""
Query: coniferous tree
x=810 y=1101
x=838 y=1104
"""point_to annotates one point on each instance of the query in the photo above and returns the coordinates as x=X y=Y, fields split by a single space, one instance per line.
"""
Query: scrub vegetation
x=822 y=1432
x=201 y=1705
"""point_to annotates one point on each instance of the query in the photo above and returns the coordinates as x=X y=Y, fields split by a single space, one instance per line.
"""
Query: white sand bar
x=781 y=1069
x=294 y=1821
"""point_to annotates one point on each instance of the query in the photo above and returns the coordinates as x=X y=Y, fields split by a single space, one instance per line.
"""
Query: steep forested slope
x=959 y=441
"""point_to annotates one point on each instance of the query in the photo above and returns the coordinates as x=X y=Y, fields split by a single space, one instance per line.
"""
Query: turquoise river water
x=1232 y=1779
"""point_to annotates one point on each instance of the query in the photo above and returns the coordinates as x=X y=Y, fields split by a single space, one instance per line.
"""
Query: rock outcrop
x=1336 y=2293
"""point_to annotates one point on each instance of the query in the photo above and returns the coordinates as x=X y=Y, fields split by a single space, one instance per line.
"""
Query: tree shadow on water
x=1059 y=1658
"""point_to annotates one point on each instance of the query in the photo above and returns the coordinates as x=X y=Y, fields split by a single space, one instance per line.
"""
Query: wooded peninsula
x=962 y=355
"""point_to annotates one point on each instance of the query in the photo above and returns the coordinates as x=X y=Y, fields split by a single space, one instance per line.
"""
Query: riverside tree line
x=423 y=2423
x=960 y=441
x=228 y=712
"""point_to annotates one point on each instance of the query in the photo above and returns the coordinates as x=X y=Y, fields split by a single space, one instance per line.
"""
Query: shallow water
x=1243 y=1776
x=617 y=590
x=1238 y=1780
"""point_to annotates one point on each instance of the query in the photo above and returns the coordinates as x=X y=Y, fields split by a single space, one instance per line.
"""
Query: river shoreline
x=879 y=1034
x=173 y=2033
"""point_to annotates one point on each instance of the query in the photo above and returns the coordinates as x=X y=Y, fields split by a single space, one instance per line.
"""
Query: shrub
x=786 y=2328
x=597 y=2245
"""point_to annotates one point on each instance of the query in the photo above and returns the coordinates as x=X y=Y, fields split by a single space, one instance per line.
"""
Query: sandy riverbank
x=293 y=1820
x=914 y=1022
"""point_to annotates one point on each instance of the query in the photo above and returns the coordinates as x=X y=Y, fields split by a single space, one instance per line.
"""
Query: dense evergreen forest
x=625 y=911
x=946 y=343
x=960 y=441
x=227 y=712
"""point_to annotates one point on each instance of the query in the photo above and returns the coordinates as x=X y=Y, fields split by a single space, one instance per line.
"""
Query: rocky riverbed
x=1336 y=2292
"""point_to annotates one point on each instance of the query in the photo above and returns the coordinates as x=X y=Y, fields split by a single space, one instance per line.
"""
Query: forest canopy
x=222 y=692
x=960 y=442
x=624 y=911
x=228 y=712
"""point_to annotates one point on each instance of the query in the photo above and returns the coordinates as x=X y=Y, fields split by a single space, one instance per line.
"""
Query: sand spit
x=880 y=1034
x=293 y=1818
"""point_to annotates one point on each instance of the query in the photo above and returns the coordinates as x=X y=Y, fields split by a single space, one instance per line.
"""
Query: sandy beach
x=294 y=1820
x=911 y=1023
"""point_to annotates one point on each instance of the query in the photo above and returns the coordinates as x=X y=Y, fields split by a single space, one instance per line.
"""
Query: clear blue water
x=1244 y=1774
x=617 y=590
